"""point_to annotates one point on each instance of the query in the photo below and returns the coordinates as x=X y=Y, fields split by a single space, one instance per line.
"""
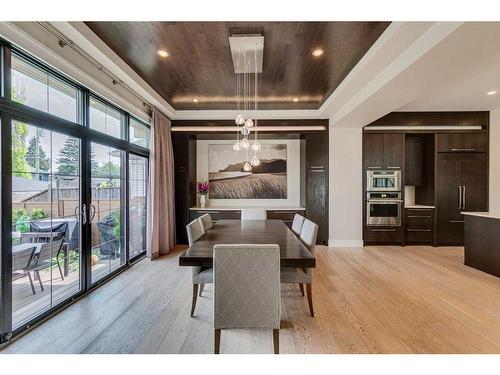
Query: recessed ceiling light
x=492 y=92
x=162 y=53
x=196 y=100
x=295 y=99
x=317 y=52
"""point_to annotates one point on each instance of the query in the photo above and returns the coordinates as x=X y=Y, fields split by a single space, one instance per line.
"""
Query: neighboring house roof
x=24 y=188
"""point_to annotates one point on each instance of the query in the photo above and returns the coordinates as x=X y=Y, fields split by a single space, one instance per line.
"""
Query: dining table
x=293 y=253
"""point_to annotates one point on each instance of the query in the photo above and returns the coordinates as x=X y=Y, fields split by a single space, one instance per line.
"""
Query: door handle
x=84 y=213
x=92 y=215
x=459 y=197
x=464 y=199
x=462 y=149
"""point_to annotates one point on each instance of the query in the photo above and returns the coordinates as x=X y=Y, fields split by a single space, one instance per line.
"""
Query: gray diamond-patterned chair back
x=298 y=221
x=247 y=286
x=206 y=222
x=194 y=231
x=309 y=233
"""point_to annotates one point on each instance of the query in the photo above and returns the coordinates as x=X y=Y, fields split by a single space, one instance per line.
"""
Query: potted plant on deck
x=202 y=188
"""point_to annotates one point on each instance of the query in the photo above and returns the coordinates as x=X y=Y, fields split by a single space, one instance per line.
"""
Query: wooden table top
x=293 y=252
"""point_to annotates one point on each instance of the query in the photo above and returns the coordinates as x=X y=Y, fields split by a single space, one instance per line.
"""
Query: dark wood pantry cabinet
x=461 y=181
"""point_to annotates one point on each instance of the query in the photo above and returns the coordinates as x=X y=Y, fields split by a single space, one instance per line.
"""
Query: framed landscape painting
x=228 y=180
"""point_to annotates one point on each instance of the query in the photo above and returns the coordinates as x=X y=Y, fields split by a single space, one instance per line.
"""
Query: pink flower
x=202 y=188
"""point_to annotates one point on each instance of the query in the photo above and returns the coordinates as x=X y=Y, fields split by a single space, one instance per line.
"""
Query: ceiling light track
x=64 y=41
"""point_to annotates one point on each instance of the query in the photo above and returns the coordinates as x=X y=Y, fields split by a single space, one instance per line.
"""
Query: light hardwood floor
x=367 y=300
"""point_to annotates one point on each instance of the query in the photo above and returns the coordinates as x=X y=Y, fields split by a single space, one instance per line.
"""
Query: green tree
x=108 y=169
x=20 y=166
x=69 y=157
x=31 y=156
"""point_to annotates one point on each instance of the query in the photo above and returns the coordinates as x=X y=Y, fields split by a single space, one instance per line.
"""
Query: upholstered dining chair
x=201 y=276
x=206 y=222
x=246 y=289
x=298 y=221
x=301 y=276
x=253 y=214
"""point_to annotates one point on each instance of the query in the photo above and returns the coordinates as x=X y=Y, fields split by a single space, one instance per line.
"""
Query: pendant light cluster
x=243 y=120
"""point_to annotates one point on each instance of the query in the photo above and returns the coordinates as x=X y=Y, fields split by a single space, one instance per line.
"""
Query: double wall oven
x=383 y=198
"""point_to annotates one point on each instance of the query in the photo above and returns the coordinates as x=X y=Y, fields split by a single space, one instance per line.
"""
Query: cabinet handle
x=317 y=170
x=317 y=167
x=418 y=230
x=425 y=217
x=373 y=167
x=393 y=167
x=459 y=197
x=456 y=221
x=283 y=212
x=462 y=149
x=383 y=230
x=464 y=204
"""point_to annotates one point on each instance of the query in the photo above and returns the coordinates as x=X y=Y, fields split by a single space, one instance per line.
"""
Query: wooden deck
x=26 y=305
x=414 y=299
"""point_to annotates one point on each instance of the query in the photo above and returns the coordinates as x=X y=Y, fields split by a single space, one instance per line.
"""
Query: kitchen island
x=482 y=241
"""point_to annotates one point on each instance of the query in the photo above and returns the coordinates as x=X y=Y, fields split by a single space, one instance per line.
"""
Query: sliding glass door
x=71 y=163
x=138 y=179
x=46 y=230
x=107 y=210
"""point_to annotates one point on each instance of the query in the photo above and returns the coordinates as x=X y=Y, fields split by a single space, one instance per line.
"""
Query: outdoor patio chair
x=21 y=265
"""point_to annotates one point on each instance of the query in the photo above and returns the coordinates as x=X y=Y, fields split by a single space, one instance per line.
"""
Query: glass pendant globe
x=237 y=146
x=244 y=143
x=255 y=161
x=256 y=146
x=240 y=120
x=249 y=123
x=247 y=167
x=245 y=131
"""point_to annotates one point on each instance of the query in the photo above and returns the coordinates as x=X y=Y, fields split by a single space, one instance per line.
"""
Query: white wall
x=346 y=187
x=293 y=175
x=494 y=198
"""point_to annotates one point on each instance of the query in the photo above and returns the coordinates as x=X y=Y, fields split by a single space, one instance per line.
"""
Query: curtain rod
x=64 y=41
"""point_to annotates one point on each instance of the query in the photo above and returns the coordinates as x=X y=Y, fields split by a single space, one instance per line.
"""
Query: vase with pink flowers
x=202 y=188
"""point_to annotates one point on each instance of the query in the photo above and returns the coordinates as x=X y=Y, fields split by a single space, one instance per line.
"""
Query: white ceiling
x=470 y=70
x=459 y=64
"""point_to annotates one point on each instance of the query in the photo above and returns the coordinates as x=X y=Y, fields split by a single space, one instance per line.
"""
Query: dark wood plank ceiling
x=200 y=64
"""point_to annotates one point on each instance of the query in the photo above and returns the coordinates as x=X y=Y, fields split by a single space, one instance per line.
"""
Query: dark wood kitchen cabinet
x=317 y=183
x=461 y=185
x=383 y=150
x=419 y=226
x=462 y=142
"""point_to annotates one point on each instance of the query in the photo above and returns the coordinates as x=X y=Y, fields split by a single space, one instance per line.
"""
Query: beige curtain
x=161 y=228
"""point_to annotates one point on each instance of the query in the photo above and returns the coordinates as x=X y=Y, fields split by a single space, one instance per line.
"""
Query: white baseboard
x=345 y=243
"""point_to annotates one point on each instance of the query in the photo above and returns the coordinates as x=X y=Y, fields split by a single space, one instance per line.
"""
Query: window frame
x=15 y=52
x=148 y=126
x=10 y=110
